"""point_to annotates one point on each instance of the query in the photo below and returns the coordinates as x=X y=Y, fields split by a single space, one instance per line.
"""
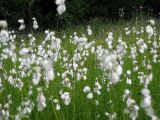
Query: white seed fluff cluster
x=4 y=35
x=131 y=107
x=35 y=24
x=41 y=100
x=61 y=6
x=109 y=40
x=149 y=31
x=110 y=62
x=89 y=31
x=22 y=25
x=146 y=104
x=3 y=24
x=65 y=96
x=88 y=91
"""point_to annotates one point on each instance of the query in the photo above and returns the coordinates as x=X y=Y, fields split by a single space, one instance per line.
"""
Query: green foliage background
x=78 y=11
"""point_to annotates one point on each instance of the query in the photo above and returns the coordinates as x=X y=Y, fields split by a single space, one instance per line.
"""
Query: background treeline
x=78 y=11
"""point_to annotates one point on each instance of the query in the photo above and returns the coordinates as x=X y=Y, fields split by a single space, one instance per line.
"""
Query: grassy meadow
x=73 y=61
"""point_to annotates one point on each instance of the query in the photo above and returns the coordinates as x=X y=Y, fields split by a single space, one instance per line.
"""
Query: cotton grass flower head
x=126 y=94
x=3 y=24
x=145 y=92
x=41 y=100
x=27 y=107
x=128 y=31
x=48 y=70
x=111 y=116
x=97 y=88
x=142 y=45
x=22 y=25
x=58 y=107
x=89 y=31
x=152 y=22
x=65 y=96
x=61 y=6
x=61 y=9
x=36 y=76
x=109 y=40
x=86 y=89
x=114 y=77
x=110 y=63
x=4 y=36
x=5 y=114
x=149 y=31
x=90 y=95
x=132 y=108
x=56 y=102
x=35 y=24
x=147 y=105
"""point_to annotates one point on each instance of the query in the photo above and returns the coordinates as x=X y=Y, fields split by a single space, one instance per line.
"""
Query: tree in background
x=78 y=11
